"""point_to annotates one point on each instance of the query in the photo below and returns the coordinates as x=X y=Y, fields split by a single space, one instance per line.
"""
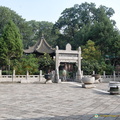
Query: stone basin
x=88 y=80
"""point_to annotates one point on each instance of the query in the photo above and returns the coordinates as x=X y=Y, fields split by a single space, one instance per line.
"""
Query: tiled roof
x=41 y=47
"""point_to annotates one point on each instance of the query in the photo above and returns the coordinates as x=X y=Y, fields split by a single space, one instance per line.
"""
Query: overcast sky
x=50 y=10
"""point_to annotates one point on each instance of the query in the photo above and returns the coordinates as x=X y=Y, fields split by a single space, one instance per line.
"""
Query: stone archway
x=68 y=56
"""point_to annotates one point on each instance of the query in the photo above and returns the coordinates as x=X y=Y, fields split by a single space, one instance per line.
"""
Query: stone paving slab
x=65 y=101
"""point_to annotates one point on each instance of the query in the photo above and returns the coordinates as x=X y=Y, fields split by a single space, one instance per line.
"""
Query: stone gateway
x=68 y=56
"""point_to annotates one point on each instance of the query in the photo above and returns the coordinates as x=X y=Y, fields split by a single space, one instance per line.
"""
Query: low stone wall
x=107 y=78
x=22 y=78
x=40 y=78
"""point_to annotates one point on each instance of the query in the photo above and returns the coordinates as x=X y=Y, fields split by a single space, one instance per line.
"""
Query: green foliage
x=93 y=61
x=7 y=15
x=90 y=51
x=10 y=43
x=42 y=28
x=46 y=63
x=93 y=65
x=85 y=22
x=26 y=63
x=76 y=26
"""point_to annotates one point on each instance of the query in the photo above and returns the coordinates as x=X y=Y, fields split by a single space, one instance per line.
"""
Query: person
x=64 y=74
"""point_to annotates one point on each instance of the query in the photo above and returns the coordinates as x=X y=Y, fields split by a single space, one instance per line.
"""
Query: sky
x=50 y=10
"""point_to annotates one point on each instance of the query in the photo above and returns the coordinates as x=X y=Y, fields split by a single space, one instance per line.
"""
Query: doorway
x=70 y=69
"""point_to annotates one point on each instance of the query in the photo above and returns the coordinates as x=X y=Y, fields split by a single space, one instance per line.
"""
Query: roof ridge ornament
x=68 y=47
x=42 y=36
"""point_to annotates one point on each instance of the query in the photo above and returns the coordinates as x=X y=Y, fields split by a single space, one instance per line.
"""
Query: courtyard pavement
x=64 y=101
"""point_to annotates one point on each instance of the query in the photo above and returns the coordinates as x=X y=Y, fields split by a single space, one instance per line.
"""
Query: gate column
x=79 y=73
x=57 y=64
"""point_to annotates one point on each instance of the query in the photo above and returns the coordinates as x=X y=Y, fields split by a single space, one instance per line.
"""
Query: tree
x=93 y=60
x=91 y=52
x=42 y=28
x=85 y=22
x=10 y=43
x=79 y=24
x=6 y=15
x=46 y=63
x=26 y=63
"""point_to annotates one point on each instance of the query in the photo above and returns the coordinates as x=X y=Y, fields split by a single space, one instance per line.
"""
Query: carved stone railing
x=22 y=78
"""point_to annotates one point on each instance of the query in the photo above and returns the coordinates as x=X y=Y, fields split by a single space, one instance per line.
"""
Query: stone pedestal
x=114 y=87
x=48 y=82
x=88 y=86
x=57 y=80
x=24 y=81
x=78 y=76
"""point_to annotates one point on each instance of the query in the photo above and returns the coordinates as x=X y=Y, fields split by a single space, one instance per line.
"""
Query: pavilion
x=40 y=47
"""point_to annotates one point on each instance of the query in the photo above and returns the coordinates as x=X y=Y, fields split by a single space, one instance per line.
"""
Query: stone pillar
x=40 y=76
x=57 y=66
x=104 y=76
x=13 y=76
x=93 y=72
x=27 y=75
x=114 y=75
x=0 y=73
x=14 y=72
x=79 y=75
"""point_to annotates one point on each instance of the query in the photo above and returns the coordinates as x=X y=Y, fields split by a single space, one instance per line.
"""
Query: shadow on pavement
x=101 y=92
x=96 y=116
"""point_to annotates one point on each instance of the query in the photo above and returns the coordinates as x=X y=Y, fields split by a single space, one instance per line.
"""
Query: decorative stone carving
x=68 y=47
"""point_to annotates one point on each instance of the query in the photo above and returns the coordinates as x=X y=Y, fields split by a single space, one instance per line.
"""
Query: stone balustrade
x=22 y=78
x=40 y=78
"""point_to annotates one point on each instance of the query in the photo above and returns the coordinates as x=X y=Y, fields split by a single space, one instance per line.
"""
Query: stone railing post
x=13 y=75
x=40 y=75
x=114 y=75
x=104 y=76
x=0 y=73
x=27 y=75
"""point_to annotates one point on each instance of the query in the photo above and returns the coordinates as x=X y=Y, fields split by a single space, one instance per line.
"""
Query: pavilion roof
x=41 y=46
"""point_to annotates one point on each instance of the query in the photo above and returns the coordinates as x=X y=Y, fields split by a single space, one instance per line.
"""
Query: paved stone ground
x=65 y=101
